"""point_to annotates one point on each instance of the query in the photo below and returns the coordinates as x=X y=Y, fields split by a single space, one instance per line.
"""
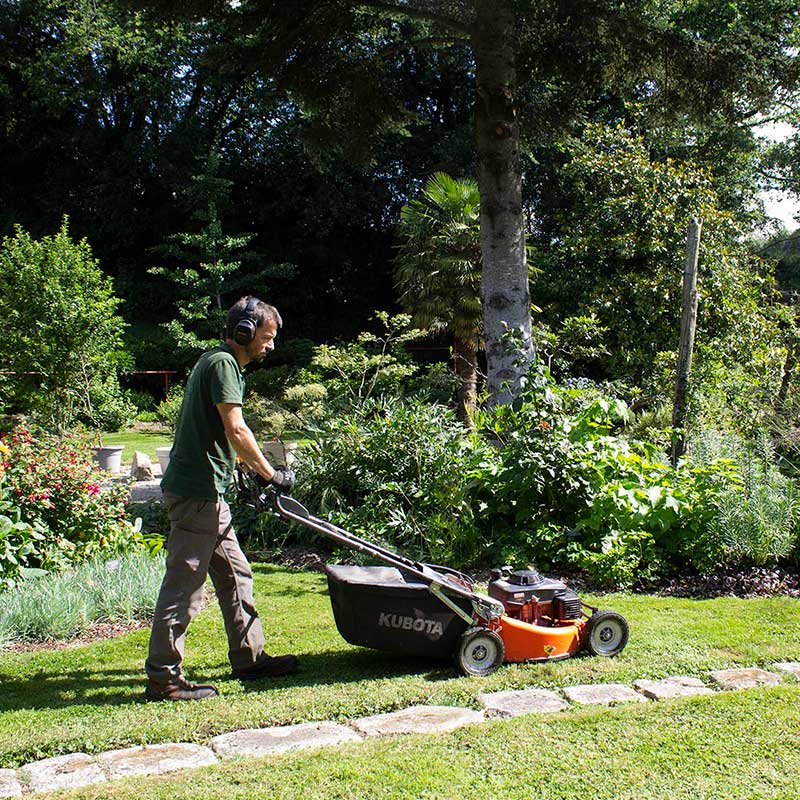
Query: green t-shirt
x=202 y=460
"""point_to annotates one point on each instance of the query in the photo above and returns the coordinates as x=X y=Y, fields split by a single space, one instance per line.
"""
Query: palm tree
x=438 y=271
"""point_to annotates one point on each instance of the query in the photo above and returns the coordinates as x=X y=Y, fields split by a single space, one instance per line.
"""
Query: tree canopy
x=328 y=115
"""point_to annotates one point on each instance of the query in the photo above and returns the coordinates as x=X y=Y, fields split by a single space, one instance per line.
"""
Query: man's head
x=252 y=325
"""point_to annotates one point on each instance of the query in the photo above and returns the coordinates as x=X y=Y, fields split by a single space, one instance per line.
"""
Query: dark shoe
x=179 y=689
x=268 y=667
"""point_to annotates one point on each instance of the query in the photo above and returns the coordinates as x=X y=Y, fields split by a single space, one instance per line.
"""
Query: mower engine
x=532 y=598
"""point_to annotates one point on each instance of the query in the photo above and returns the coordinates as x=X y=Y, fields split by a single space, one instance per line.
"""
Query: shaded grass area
x=90 y=698
x=738 y=745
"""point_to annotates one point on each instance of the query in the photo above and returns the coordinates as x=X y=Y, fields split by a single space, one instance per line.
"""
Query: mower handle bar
x=289 y=508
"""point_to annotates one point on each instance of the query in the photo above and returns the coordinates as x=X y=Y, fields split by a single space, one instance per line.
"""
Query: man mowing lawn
x=210 y=434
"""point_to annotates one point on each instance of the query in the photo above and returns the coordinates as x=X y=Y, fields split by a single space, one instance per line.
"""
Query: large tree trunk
x=504 y=290
x=466 y=365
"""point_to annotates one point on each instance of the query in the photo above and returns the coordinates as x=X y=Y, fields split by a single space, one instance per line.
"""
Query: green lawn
x=148 y=441
x=90 y=698
x=145 y=441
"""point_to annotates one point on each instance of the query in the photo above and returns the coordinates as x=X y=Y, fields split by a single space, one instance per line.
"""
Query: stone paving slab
x=265 y=741
x=745 y=678
x=790 y=668
x=514 y=703
x=417 y=719
x=145 y=491
x=62 y=772
x=9 y=785
x=606 y=694
x=667 y=688
x=155 y=759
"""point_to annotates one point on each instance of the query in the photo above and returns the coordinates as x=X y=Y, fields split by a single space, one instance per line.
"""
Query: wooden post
x=688 y=325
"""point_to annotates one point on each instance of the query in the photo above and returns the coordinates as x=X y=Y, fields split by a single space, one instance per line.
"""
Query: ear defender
x=245 y=330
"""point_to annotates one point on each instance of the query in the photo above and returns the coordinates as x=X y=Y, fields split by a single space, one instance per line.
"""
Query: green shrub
x=112 y=408
x=54 y=486
x=169 y=410
x=755 y=520
x=398 y=472
x=570 y=491
x=373 y=366
x=60 y=325
x=19 y=540
x=62 y=606
x=297 y=407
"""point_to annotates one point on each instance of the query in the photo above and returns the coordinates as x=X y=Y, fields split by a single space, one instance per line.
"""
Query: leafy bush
x=19 y=540
x=296 y=408
x=169 y=410
x=54 y=487
x=62 y=606
x=570 y=491
x=373 y=366
x=60 y=327
x=112 y=408
x=399 y=472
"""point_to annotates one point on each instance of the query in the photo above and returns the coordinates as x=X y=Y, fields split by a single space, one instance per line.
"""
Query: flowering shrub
x=51 y=485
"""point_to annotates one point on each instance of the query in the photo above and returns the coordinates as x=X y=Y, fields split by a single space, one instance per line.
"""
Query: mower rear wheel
x=607 y=633
x=480 y=652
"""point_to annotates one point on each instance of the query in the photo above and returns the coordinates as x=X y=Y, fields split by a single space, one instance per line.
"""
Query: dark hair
x=261 y=314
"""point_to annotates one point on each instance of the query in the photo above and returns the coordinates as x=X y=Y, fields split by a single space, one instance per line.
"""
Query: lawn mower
x=416 y=608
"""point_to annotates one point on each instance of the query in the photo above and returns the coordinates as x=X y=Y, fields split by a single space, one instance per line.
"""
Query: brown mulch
x=755 y=582
x=96 y=632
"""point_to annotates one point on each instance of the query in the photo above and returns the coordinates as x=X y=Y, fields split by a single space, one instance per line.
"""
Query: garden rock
x=9 y=785
x=744 y=678
x=61 y=772
x=605 y=694
x=524 y=701
x=156 y=759
x=264 y=741
x=141 y=467
x=790 y=668
x=417 y=719
x=666 y=689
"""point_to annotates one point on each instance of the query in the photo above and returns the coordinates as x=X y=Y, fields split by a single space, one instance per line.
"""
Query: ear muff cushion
x=245 y=330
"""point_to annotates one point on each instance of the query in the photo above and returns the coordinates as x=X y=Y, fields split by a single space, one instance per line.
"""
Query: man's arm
x=243 y=441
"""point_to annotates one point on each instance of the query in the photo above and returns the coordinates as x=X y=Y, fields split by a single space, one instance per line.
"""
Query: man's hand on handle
x=282 y=479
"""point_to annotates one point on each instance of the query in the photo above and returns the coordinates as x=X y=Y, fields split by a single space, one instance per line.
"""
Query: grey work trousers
x=202 y=542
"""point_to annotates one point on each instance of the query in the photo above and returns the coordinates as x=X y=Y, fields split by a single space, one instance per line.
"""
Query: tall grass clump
x=756 y=519
x=56 y=607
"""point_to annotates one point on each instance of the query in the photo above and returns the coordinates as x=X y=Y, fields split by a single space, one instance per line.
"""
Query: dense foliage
x=553 y=480
x=203 y=152
x=62 y=342
x=55 y=510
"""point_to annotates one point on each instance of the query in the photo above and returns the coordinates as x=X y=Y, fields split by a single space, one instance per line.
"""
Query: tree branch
x=416 y=13
x=794 y=237
x=430 y=42
x=782 y=179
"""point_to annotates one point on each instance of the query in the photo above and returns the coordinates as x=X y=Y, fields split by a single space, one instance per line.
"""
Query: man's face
x=263 y=343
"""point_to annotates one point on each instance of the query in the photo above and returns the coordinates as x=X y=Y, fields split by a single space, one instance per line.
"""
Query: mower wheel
x=607 y=633
x=480 y=652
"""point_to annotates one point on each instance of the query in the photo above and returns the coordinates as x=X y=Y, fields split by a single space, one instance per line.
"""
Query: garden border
x=77 y=770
